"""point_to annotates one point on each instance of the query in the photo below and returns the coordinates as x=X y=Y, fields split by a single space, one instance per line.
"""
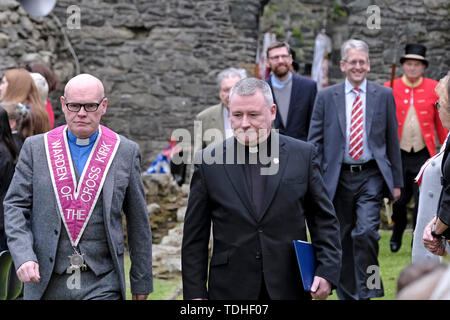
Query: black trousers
x=411 y=164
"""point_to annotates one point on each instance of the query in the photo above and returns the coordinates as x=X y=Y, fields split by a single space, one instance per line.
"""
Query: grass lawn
x=162 y=289
x=391 y=264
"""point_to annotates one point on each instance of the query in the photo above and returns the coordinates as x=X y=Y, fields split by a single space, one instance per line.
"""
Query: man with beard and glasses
x=294 y=94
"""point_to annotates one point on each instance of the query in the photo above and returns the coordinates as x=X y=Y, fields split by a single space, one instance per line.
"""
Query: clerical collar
x=263 y=146
x=81 y=142
x=279 y=83
x=253 y=149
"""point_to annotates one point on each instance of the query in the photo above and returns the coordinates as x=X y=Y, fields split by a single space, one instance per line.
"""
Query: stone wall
x=159 y=59
x=401 y=22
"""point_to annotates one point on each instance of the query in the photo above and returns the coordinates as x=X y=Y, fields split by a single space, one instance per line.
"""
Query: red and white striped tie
x=356 y=127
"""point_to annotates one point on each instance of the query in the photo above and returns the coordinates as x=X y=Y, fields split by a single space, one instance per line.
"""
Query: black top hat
x=415 y=51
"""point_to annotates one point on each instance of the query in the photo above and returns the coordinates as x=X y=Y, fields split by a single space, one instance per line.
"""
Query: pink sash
x=76 y=202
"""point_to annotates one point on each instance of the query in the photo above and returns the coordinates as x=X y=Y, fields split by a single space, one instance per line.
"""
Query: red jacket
x=424 y=98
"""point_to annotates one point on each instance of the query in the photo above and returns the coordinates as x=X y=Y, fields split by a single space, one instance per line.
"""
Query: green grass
x=162 y=289
x=391 y=264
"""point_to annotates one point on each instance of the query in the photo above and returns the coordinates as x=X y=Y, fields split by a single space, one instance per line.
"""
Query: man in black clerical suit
x=254 y=188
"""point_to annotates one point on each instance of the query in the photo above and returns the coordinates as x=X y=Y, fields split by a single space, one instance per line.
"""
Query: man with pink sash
x=63 y=211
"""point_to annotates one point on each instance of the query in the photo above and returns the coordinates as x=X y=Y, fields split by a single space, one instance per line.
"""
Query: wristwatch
x=434 y=235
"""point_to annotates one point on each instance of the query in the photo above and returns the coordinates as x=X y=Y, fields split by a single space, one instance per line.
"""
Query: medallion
x=77 y=262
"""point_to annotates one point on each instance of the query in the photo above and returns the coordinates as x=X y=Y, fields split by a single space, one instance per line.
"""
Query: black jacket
x=247 y=244
x=303 y=94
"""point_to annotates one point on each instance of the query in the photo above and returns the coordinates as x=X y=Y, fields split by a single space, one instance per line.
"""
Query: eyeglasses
x=88 y=107
x=283 y=57
x=353 y=63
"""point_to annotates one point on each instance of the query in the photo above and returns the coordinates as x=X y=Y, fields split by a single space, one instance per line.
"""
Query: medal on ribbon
x=76 y=201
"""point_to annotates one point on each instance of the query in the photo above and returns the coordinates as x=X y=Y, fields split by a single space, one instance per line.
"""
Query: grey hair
x=353 y=44
x=231 y=73
x=41 y=85
x=249 y=86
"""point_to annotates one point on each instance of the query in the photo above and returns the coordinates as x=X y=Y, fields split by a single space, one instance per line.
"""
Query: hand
x=135 y=296
x=435 y=246
x=320 y=288
x=397 y=194
x=29 y=272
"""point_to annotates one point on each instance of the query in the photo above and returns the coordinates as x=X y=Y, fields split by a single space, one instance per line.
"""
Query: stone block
x=4 y=39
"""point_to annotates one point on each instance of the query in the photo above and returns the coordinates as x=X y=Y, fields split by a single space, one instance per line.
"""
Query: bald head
x=84 y=84
x=84 y=104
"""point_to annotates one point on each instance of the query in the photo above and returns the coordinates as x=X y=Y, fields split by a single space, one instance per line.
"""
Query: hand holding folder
x=306 y=262
x=319 y=287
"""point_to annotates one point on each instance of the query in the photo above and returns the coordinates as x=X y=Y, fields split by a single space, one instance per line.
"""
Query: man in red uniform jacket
x=418 y=120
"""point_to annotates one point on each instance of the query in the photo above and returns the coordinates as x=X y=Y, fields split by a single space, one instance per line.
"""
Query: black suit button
x=51 y=259
x=258 y=255
x=260 y=230
x=56 y=232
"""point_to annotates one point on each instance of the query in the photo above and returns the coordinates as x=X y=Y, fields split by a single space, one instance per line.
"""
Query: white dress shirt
x=349 y=98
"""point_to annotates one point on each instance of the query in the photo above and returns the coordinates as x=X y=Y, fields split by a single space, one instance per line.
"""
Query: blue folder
x=306 y=262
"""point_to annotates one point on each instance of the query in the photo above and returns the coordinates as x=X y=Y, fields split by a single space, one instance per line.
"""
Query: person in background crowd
x=19 y=121
x=437 y=230
x=52 y=82
x=8 y=159
x=418 y=126
x=17 y=86
x=55 y=230
x=429 y=181
x=214 y=122
x=419 y=280
x=294 y=94
x=355 y=130
x=41 y=86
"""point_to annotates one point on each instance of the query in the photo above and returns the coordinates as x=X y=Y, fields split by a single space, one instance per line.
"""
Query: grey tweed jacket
x=33 y=223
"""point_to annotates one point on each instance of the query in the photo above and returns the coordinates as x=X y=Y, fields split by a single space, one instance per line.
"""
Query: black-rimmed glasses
x=88 y=107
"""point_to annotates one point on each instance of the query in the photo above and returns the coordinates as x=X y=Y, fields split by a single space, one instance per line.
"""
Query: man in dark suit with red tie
x=253 y=188
x=354 y=128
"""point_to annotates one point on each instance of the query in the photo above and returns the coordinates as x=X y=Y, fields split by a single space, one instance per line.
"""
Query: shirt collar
x=73 y=139
x=349 y=87
x=280 y=84
x=410 y=84
x=225 y=111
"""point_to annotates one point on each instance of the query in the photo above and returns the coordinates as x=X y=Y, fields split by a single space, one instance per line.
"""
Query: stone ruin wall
x=159 y=59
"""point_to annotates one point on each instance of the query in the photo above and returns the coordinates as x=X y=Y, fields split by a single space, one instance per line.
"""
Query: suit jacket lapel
x=339 y=101
x=217 y=120
x=277 y=123
x=371 y=103
x=273 y=181
x=108 y=188
x=294 y=91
